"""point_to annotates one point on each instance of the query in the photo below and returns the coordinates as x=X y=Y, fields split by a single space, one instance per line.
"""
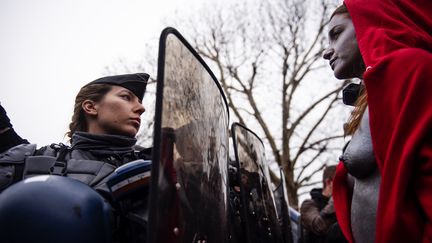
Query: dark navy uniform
x=91 y=159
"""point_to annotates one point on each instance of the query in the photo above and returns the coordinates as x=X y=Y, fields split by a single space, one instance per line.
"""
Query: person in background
x=388 y=45
x=318 y=216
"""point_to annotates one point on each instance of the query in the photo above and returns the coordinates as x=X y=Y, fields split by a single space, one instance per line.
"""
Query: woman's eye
x=125 y=97
x=336 y=33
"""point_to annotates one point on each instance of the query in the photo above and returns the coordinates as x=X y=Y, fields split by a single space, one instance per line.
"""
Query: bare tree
x=267 y=55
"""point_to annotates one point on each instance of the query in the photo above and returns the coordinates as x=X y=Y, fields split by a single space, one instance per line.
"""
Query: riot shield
x=282 y=203
x=188 y=201
x=259 y=215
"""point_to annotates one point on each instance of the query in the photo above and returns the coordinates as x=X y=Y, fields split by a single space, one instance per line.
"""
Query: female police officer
x=105 y=121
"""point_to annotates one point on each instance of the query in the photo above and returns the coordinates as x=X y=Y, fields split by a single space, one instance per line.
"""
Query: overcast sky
x=50 y=48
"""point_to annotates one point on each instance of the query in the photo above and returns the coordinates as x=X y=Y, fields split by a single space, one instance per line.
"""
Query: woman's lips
x=332 y=61
x=136 y=121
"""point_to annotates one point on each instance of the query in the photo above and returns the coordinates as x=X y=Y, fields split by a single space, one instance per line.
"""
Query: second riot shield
x=188 y=201
x=259 y=216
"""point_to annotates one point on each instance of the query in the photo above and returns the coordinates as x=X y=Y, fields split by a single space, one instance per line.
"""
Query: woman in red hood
x=394 y=40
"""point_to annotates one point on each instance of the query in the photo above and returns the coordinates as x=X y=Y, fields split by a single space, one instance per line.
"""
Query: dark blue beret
x=136 y=82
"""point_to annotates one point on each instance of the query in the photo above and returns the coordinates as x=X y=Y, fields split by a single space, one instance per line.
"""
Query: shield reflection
x=188 y=200
x=259 y=217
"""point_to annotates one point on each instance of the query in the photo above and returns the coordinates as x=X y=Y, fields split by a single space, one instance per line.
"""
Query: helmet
x=53 y=209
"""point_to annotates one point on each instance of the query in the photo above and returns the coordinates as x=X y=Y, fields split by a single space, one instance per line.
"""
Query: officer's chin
x=128 y=132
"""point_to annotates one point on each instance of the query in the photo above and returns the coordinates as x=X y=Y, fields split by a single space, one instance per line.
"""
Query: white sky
x=50 y=48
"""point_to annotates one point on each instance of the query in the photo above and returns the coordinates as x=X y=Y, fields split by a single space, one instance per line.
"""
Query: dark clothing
x=10 y=139
x=319 y=219
x=4 y=119
x=91 y=159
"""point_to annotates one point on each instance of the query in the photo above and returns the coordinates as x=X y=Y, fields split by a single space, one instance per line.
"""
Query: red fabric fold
x=395 y=39
x=401 y=122
x=342 y=196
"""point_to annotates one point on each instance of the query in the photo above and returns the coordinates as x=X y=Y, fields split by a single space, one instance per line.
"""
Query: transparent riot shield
x=282 y=204
x=188 y=201
x=259 y=217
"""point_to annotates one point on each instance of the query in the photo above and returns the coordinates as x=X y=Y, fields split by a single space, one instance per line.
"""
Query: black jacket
x=90 y=159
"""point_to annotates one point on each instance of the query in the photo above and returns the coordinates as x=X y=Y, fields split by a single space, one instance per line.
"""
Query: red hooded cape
x=395 y=41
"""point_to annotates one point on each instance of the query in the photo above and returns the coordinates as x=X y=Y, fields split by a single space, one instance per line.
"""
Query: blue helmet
x=53 y=209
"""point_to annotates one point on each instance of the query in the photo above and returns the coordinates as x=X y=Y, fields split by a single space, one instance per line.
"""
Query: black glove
x=4 y=119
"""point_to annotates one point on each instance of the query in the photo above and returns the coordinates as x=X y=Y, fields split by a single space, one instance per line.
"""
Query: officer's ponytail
x=94 y=92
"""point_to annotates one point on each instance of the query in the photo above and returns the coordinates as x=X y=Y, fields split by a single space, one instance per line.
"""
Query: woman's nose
x=139 y=108
x=328 y=53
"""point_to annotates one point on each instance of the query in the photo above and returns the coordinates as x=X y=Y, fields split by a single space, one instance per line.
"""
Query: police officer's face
x=343 y=52
x=118 y=113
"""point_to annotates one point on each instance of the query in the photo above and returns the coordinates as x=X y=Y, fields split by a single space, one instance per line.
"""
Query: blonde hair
x=94 y=92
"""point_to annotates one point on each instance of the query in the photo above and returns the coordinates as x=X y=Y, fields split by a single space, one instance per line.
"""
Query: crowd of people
x=381 y=190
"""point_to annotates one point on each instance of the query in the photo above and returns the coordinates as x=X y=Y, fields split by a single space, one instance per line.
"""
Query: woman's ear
x=89 y=107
